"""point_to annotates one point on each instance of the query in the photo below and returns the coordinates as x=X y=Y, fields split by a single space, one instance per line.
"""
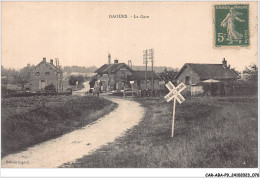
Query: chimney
x=56 y=60
x=109 y=58
x=115 y=61
x=229 y=66
x=224 y=62
x=51 y=61
x=44 y=59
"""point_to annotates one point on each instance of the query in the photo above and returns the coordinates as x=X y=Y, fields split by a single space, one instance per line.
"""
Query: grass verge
x=27 y=121
x=209 y=133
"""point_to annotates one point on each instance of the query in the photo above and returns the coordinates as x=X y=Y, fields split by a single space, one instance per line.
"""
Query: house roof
x=49 y=65
x=102 y=68
x=140 y=75
x=106 y=68
x=210 y=71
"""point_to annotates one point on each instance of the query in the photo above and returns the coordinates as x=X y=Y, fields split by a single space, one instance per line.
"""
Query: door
x=42 y=84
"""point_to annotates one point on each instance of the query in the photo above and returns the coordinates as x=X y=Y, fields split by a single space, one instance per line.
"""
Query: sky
x=81 y=33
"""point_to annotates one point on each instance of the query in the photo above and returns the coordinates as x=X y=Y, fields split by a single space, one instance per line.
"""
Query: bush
x=50 y=88
x=74 y=79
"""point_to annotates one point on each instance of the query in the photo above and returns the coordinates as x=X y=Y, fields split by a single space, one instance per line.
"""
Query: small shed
x=196 y=89
x=209 y=77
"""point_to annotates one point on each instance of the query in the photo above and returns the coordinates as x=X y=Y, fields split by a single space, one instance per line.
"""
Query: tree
x=22 y=81
x=24 y=75
x=4 y=81
x=74 y=79
x=79 y=69
x=168 y=75
x=9 y=74
x=252 y=72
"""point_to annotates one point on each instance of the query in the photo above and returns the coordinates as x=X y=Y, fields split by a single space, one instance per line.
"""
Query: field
x=30 y=120
x=210 y=132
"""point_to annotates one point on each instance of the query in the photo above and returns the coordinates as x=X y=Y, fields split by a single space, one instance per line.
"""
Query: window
x=47 y=73
x=187 y=80
x=37 y=73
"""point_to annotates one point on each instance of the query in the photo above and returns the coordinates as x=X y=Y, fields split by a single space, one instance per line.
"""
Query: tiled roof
x=140 y=75
x=207 y=71
x=106 y=68
x=50 y=65
x=101 y=69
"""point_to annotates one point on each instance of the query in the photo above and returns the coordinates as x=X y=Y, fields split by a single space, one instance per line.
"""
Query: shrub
x=74 y=79
x=50 y=88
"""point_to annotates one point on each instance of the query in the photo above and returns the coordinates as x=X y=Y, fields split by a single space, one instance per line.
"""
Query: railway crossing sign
x=175 y=94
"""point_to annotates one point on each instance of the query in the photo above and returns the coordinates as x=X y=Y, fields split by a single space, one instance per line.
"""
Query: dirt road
x=83 y=91
x=74 y=145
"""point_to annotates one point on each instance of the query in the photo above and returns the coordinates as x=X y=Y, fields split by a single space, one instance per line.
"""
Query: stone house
x=113 y=76
x=194 y=76
x=117 y=76
x=44 y=74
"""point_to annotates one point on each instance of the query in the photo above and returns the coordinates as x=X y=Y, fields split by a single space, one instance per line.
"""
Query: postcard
x=130 y=85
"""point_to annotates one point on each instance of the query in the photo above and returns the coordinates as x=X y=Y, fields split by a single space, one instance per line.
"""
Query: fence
x=240 y=90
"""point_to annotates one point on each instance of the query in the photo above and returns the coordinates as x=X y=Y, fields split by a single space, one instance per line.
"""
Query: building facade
x=113 y=76
x=151 y=81
x=199 y=76
x=44 y=74
x=117 y=76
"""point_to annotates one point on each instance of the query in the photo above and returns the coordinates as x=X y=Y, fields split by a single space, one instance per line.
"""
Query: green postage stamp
x=231 y=25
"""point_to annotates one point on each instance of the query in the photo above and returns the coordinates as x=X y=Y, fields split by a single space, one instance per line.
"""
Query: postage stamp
x=231 y=25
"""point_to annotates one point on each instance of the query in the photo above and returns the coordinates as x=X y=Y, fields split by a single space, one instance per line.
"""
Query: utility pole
x=59 y=76
x=151 y=58
x=145 y=56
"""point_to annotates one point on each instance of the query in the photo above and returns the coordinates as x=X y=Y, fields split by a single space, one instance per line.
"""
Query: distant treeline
x=79 y=69
x=157 y=69
x=92 y=69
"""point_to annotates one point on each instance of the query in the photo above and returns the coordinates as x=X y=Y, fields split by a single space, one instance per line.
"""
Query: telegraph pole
x=151 y=58
x=145 y=56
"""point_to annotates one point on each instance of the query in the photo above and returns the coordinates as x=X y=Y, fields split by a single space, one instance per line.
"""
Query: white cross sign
x=175 y=93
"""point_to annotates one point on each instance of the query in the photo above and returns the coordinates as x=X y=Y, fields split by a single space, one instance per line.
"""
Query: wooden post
x=132 y=91
x=173 y=117
x=175 y=94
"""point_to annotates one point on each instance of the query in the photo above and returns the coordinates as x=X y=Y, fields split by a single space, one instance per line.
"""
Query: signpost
x=96 y=87
x=175 y=94
x=132 y=82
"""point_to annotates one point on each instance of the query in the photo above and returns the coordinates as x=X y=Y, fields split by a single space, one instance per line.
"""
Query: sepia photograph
x=130 y=84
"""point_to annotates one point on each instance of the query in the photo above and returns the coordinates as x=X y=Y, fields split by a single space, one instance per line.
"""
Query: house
x=199 y=76
x=139 y=80
x=113 y=76
x=44 y=74
x=117 y=76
